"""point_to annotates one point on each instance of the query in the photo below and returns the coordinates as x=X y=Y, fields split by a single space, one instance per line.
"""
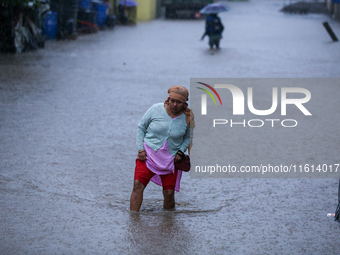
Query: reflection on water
x=161 y=233
x=154 y=230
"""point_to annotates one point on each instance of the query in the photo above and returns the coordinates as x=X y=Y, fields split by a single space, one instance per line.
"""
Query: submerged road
x=68 y=117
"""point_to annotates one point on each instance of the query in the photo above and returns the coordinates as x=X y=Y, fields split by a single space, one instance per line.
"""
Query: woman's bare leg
x=169 y=199
x=136 y=196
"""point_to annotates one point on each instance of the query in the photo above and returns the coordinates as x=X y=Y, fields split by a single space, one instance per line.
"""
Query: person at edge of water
x=213 y=29
x=163 y=135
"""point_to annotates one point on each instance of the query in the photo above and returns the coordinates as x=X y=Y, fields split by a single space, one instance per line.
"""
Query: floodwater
x=68 y=117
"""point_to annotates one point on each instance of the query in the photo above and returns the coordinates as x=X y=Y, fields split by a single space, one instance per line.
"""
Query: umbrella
x=214 y=8
x=128 y=3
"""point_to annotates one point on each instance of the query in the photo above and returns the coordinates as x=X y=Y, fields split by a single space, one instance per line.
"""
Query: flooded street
x=68 y=123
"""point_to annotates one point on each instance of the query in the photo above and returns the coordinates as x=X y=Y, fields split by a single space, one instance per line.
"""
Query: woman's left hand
x=177 y=158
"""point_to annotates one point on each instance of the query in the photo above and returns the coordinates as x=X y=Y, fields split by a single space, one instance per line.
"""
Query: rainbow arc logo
x=209 y=93
x=204 y=97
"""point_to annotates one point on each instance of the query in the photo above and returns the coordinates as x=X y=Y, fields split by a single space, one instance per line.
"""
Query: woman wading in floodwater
x=163 y=135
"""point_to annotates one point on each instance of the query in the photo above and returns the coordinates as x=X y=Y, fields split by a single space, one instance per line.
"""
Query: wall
x=146 y=9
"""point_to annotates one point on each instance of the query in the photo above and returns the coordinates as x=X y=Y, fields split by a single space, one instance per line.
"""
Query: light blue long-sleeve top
x=156 y=127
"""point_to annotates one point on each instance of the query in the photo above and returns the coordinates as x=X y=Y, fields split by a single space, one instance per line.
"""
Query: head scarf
x=180 y=93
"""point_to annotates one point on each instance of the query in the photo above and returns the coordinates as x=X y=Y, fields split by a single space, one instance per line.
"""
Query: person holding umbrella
x=127 y=12
x=213 y=24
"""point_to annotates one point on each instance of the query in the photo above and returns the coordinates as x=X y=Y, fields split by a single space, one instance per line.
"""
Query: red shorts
x=144 y=175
